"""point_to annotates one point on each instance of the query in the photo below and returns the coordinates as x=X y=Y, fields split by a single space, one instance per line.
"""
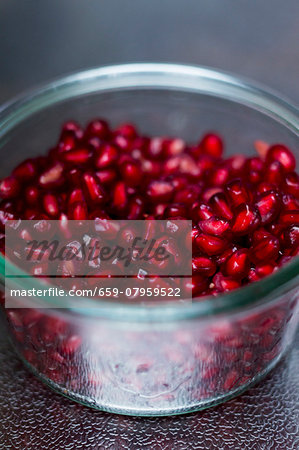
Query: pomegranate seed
x=194 y=286
x=174 y=210
x=52 y=177
x=71 y=128
x=93 y=189
x=220 y=206
x=106 y=156
x=238 y=264
x=237 y=192
x=292 y=184
x=131 y=173
x=265 y=250
x=127 y=130
x=106 y=176
x=264 y=186
x=263 y=270
x=200 y=211
x=98 y=128
x=78 y=211
x=32 y=195
x=214 y=226
x=211 y=245
x=283 y=155
x=289 y=217
x=174 y=147
x=212 y=145
x=289 y=202
x=50 y=205
x=291 y=236
x=223 y=283
x=246 y=219
x=187 y=196
x=26 y=170
x=77 y=156
x=262 y=148
x=203 y=265
x=76 y=195
x=274 y=173
x=9 y=187
x=160 y=191
x=219 y=176
x=269 y=205
x=120 y=195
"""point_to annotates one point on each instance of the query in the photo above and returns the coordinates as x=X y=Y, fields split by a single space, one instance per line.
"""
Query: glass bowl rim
x=182 y=78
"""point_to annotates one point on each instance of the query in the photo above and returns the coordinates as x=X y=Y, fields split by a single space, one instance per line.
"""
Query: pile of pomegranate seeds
x=245 y=211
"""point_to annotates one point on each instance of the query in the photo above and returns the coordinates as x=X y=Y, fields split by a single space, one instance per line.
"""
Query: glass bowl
x=169 y=358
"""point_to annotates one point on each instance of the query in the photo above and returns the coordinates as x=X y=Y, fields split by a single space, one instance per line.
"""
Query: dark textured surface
x=264 y=418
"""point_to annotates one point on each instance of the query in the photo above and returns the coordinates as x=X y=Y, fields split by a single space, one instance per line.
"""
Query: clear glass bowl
x=171 y=358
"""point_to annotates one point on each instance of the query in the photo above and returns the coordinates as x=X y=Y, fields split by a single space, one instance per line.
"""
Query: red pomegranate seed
x=253 y=169
x=201 y=211
x=211 y=245
x=214 y=226
x=127 y=130
x=155 y=148
x=77 y=156
x=269 y=206
x=265 y=250
x=264 y=186
x=173 y=147
x=237 y=192
x=52 y=177
x=50 y=205
x=71 y=128
x=263 y=270
x=220 y=206
x=219 y=176
x=9 y=187
x=78 y=211
x=107 y=176
x=93 y=190
x=274 y=173
x=292 y=184
x=26 y=170
x=212 y=145
x=289 y=202
x=223 y=283
x=160 y=191
x=97 y=127
x=291 y=236
x=208 y=193
x=289 y=218
x=135 y=208
x=194 y=286
x=238 y=264
x=262 y=148
x=246 y=220
x=32 y=195
x=76 y=195
x=131 y=173
x=223 y=257
x=120 y=195
x=106 y=156
x=187 y=196
x=174 y=210
x=283 y=155
x=203 y=265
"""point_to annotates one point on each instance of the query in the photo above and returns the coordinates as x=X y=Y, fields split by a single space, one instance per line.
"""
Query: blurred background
x=40 y=40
